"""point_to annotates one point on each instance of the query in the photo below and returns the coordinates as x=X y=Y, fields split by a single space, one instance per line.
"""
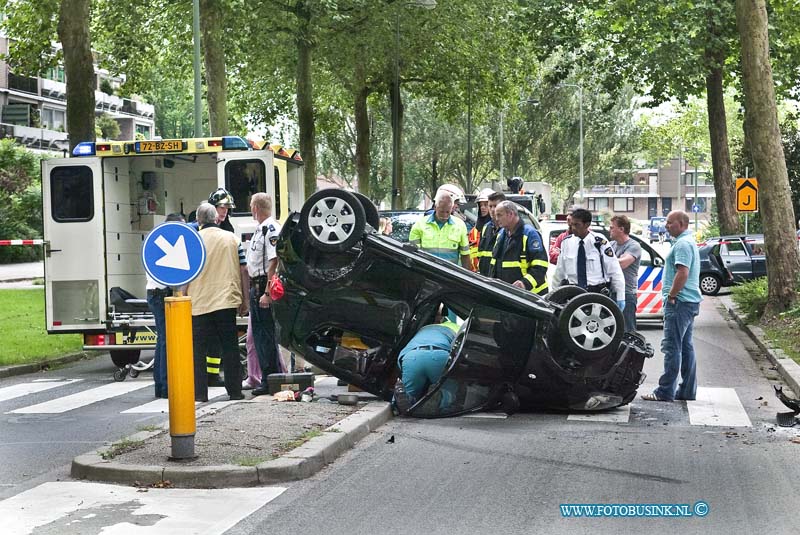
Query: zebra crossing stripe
x=162 y=405
x=81 y=399
x=73 y=507
x=719 y=407
x=23 y=389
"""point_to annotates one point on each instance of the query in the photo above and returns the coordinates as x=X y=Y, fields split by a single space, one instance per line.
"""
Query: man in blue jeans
x=423 y=359
x=681 y=290
x=155 y=302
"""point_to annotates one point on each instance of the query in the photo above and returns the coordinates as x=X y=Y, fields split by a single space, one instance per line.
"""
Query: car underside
x=354 y=298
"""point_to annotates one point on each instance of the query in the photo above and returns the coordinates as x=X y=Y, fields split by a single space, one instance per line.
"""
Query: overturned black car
x=354 y=298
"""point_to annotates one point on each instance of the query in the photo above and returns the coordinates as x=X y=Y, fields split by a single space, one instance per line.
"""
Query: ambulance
x=99 y=206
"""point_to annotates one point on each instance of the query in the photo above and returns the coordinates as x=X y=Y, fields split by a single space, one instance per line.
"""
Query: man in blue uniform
x=519 y=257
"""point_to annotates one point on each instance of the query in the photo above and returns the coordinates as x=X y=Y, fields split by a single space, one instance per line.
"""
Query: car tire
x=710 y=284
x=123 y=357
x=591 y=325
x=370 y=210
x=509 y=402
x=564 y=294
x=333 y=220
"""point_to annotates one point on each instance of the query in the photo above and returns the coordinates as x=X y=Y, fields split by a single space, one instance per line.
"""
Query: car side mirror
x=658 y=262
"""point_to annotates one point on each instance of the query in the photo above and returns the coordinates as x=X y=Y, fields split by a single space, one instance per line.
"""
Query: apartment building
x=645 y=193
x=33 y=110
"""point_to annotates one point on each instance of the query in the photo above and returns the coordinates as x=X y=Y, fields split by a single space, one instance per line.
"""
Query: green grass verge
x=118 y=448
x=24 y=336
x=784 y=333
x=251 y=461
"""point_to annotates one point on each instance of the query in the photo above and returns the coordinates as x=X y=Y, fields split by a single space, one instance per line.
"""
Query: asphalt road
x=460 y=475
x=471 y=475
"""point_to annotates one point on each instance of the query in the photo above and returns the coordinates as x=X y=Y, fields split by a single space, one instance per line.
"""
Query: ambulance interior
x=140 y=192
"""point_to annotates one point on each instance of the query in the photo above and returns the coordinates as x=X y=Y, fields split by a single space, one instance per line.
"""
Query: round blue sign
x=173 y=254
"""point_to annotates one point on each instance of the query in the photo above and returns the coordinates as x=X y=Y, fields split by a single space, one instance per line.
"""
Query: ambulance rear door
x=244 y=173
x=74 y=267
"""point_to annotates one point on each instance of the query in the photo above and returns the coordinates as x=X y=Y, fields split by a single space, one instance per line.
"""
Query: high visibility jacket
x=488 y=239
x=521 y=255
x=448 y=242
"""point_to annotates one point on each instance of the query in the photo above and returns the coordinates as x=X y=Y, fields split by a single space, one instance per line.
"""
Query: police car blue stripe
x=657 y=280
x=647 y=271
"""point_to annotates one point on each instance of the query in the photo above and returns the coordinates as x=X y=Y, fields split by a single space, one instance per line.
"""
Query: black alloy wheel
x=333 y=220
x=591 y=325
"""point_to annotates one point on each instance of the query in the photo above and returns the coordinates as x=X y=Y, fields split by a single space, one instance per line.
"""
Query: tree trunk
x=211 y=18
x=360 y=94
x=73 y=31
x=720 y=155
x=768 y=158
x=305 y=108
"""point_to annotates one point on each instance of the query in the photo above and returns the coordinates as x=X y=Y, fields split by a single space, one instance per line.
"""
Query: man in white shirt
x=587 y=260
x=262 y=261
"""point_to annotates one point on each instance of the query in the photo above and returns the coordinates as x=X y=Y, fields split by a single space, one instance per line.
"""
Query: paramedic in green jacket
x=441 y=234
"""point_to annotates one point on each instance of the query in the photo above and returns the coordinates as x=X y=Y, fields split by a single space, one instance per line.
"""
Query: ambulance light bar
x=160 y=146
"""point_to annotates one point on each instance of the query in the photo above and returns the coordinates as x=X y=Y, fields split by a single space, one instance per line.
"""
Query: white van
x=99 y=205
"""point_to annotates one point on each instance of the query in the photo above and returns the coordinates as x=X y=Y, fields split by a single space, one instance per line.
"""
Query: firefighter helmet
x=483 y=196
x=453 y=191
x=222 y=197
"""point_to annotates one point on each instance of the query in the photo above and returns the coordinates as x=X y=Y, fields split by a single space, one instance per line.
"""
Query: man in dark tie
x=587 y=260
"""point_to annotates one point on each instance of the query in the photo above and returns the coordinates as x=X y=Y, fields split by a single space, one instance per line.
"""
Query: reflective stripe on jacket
x=448 y=242
x=521 y=256
x=488 y=239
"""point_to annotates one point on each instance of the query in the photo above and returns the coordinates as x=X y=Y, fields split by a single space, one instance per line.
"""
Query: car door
x=649 y=302
x=758 y=257
x=735 y=258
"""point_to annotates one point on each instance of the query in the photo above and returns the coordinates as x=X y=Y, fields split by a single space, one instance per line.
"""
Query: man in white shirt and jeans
x=262 y=261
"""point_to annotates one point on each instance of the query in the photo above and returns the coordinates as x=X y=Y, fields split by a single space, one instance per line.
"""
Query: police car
x=649 y=302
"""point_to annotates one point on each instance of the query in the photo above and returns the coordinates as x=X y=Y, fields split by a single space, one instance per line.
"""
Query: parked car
x=649 y=302
x=354 y=298
x=657 y=229
x=727 y=260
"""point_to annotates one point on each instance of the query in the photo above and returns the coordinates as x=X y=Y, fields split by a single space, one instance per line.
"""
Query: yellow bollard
x=180 y=375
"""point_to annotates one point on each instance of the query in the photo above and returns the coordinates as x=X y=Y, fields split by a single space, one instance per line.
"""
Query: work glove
x=621 y=304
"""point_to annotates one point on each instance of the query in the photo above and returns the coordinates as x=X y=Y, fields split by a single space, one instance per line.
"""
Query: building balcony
x=614 y=190
x=53 y=89
x=703 y=190
x=23 y=83
x=107 y=103
x=35 y=138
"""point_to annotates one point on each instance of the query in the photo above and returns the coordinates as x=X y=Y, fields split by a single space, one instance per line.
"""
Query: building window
x=143 y=129
x=597 y=203
x=56 y=74
x=53 y=119
x=624 y=204
x=72 y=193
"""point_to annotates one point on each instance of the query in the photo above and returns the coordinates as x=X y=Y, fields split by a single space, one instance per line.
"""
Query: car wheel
x=709 y=284
x=370 y=210
x=509 y=403
x=123 y=357
x=591 y=325
x=333 y=220
x=564 y=294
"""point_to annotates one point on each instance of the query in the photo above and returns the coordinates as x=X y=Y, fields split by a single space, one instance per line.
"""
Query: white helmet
x=484 y=195
x=454 y=191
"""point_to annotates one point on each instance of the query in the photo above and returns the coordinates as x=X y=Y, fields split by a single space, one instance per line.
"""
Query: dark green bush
x=751 y=298
x=20 y=187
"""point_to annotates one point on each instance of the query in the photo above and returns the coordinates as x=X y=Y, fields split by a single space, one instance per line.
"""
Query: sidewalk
x=257 y=441
x=788 y=369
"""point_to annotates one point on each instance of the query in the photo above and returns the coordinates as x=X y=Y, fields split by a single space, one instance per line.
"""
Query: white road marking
x=618 y=415
x=116 y=510
x=162 y=405
x=717 y=406
x=16 y=391
x=81 y=399
x=487 y=415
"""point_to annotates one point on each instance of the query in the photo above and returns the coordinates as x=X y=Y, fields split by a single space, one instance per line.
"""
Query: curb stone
x=41 y=365
x=788 y=369
x=299 y=463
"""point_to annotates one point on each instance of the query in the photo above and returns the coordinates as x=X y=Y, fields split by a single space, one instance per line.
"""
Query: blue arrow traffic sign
x=173 y=254
x=695 y=208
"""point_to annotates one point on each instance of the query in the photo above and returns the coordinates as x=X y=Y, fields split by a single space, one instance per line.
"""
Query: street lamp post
x=502 y=118
x=580 y=134
x=425 y=4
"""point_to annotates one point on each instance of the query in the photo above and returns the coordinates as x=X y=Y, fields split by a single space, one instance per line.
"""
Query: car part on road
x=347 y=399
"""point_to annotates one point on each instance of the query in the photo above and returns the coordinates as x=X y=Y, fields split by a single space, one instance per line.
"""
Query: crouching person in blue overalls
x=422 y=363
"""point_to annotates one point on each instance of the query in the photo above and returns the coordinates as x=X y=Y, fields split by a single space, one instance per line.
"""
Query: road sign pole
x=746 y=215
x=180 y=376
